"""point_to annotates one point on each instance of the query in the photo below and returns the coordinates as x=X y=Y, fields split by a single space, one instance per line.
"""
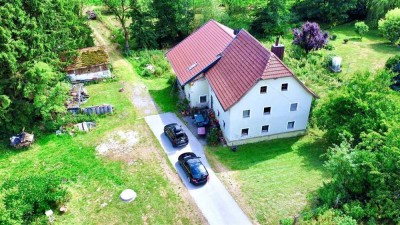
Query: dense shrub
x=393 y=64
x=390 y=25
x=212 y=136
x=154 y=58
x=25 y=200
x=361 y=28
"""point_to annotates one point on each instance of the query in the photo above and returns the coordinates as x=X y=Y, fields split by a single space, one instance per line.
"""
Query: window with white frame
x=293 y=107
x=267 y=110
x=217 y=112
x=264 y=129
x=263 y=89
x=203 y=99
x=246 y=113
x=223 y=123
x=290 y=125
x=245 y=132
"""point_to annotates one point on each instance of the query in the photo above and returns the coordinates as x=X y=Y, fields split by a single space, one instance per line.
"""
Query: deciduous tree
x=121 y=10
x=271 y=20
x=310 y=37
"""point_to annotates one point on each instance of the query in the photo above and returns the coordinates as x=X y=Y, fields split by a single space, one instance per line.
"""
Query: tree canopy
x=273 y=19
x=390 y=25
x=310 y=37
x=33 y=36
x=360 y=105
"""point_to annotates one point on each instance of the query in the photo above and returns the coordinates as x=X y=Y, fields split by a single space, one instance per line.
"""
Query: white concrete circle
x=128 y=195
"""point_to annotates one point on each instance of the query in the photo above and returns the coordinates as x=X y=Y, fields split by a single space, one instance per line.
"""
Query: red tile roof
x=198 y=51
x=243 y=63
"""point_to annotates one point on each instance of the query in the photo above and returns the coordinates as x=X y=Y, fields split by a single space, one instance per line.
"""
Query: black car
x=196 y=173
x=176 y=135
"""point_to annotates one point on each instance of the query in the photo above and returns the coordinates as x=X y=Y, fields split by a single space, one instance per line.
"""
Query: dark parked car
x=176 y=135
x=196 y=172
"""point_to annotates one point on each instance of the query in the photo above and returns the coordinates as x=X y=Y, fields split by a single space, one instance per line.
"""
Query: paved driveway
x=214 y=201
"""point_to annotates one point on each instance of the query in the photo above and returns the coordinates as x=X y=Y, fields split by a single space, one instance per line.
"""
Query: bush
x=390 y=25
x=361 y=28
x=354 y=209
x=24 y=200
x=212 y=137
x=393 y=64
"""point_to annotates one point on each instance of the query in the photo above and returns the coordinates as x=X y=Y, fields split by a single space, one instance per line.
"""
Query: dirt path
x=148 y=149
x=141 y=98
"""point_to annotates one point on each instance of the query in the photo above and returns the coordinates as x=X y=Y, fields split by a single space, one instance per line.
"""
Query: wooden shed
x=90 y=64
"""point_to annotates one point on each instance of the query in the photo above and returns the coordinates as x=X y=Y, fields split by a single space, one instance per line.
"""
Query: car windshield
x=198 y=170
x=180 y=134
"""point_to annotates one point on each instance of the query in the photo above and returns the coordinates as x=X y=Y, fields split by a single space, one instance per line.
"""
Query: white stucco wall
x=223 y=115
x=279 y=101
x=194 y=90
x=90 y=76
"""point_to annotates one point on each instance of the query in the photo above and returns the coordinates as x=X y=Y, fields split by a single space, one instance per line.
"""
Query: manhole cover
x=128 y=195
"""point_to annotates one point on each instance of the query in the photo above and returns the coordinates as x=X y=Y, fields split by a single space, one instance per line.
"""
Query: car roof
x=193 y=160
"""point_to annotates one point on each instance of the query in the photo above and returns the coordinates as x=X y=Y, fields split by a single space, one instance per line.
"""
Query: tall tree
x=167 y=22
x=310 y=37
x=173 y=20
x=121 y=9
x=143 y=27
x=271 y=20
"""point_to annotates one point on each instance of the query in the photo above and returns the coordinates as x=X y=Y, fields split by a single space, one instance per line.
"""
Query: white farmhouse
x=253 y=94
x=90 y=64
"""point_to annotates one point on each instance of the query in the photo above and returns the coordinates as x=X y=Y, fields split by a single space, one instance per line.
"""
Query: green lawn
x=370 y=53
x=276 y=176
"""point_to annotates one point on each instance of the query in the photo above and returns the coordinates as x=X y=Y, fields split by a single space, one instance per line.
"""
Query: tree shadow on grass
x=312 y=154
x=385 y=47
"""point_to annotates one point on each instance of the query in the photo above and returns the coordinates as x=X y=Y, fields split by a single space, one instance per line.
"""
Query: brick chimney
x=278 y=49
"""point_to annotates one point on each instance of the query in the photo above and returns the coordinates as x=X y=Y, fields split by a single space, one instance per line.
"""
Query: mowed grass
x=367 y=54
x=162 y=92
x=276 y=176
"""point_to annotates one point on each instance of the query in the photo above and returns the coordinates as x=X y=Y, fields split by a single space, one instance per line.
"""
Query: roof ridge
x=221 y=26
x=189 y=36
x=210 y=21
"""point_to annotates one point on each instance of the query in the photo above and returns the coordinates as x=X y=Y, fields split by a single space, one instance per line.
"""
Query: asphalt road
x=214 y=201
